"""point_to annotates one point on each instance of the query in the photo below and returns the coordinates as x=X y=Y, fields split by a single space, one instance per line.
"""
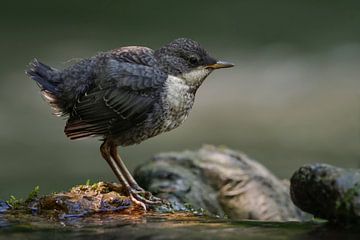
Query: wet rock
x=220 y=181
x=4 y=206
x=327 y=192
x=83 y=200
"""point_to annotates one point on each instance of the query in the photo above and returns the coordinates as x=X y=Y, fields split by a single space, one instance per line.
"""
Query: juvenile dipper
x=125 y=96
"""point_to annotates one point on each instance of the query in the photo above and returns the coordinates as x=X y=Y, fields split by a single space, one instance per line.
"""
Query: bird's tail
x=48 y=80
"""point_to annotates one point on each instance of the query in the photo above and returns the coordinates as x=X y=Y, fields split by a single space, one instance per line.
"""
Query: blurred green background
x=293 y=97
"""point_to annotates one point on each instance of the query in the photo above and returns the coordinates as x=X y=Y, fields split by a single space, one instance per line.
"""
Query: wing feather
x=122 y=97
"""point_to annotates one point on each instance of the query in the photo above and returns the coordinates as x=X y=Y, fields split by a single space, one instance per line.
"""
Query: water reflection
x=174 y=226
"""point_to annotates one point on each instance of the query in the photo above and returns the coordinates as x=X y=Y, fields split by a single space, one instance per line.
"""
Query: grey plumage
x=121 y=94
x=125 y=96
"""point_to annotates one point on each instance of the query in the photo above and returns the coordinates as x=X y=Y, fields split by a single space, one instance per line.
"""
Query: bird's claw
x=144 y=198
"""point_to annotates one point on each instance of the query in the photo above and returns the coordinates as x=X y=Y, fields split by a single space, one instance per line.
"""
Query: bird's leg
x=105 y=152
x=132 y=182
x=135 y=189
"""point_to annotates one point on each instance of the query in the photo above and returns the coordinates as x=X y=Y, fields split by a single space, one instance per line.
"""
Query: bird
x=125 y=96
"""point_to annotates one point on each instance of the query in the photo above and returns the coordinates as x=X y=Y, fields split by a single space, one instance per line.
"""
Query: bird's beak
x=220 y=64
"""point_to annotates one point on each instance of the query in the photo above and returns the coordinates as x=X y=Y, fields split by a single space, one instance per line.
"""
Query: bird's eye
x=193 y=60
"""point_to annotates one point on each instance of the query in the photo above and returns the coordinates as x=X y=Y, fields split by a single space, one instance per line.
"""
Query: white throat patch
x=196 y=76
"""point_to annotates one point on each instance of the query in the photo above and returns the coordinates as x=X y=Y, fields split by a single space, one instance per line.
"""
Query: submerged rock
x=327 y=192
x=220 y=181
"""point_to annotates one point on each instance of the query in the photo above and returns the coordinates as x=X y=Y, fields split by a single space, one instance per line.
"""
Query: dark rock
x=220 y=181
x=327 y=192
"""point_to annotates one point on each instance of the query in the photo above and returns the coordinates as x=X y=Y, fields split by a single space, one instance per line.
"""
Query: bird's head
x=187 y=59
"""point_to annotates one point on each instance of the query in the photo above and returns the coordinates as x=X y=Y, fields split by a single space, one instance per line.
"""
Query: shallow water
x=164 y=226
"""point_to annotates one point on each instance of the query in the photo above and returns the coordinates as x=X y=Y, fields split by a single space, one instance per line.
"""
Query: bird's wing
x=123 y=96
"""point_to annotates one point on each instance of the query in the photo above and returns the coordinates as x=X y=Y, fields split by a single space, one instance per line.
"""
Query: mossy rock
x=79 y=201
x=327 y=192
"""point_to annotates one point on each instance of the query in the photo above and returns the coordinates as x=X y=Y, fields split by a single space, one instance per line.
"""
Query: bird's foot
x=144 y=198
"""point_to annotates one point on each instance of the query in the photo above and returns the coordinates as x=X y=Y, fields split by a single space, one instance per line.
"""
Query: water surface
x=165 y=226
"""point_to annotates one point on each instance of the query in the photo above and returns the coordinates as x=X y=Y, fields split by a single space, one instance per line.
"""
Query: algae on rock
x=327 y=192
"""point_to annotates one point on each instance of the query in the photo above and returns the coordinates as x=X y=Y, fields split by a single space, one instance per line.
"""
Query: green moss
x=350 y=194
x=196 y=211
x=88 y=182
x=16 y=203
x=33 y=195
x=346 y=203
